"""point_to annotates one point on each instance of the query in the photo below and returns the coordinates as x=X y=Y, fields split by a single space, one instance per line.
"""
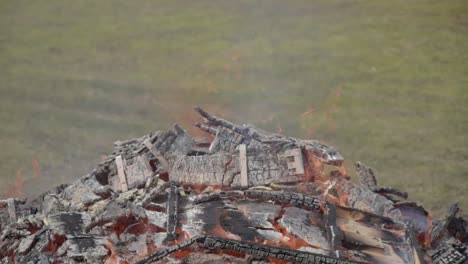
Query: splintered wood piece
x=12 y=210
x=157 y=154
x=121 y=172
x=244 y=180
x=295 y=161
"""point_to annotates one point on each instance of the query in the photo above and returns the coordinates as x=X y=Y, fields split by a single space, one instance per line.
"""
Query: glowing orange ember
x=55 y=242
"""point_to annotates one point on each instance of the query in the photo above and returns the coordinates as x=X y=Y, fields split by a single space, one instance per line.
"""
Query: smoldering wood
x=262 y=168
x=285 y=202
x=297 y=222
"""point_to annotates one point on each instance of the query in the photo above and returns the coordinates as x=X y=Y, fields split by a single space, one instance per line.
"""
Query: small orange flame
x=114 y=258
x=17 y=189
x=55 y=243
x=36 y=168
x=289 y=240
x=218 y=230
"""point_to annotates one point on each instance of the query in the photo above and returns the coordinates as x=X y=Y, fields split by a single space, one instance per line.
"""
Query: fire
x=182 y=235
x=218 y=230
x=17 y=189
x=289 y=240
x=313 y=168
x=114 y=258
x=198 y=188
x=342 y=170
x=183 y=253
x=36 y=168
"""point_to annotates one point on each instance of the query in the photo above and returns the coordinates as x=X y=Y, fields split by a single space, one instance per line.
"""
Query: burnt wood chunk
x=72 y=223
x=360 y=198
x=368 y=179
x=366 y=175
x=86 y=248
x=297 y=222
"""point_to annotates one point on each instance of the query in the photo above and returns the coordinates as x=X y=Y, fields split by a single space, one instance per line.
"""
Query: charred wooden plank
x=256 y=250
x=334 y=234
x=264 y=251
x=119 y=162
x=296 y=199
x=217 y=169
x=154 y=192
x=224 y=169
x=219 y=121
x=172 y=211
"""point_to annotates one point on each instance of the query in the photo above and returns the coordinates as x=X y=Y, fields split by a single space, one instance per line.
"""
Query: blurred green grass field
x=386 y=82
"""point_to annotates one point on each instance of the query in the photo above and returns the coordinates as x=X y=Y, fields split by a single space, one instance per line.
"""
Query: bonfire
x=237 y=195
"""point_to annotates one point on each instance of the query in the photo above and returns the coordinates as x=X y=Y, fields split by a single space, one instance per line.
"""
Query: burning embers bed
x=241 y=195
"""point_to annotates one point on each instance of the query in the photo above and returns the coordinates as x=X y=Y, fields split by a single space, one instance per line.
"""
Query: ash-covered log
x=247 y=196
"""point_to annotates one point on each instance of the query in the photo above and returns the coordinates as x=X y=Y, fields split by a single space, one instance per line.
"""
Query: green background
x=386 y=82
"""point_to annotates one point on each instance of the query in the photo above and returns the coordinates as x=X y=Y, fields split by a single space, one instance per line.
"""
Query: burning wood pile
x=240 y=195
